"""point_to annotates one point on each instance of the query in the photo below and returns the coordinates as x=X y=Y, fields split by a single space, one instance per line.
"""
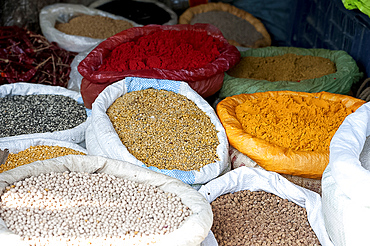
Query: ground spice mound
x=260 y=218
x=231 y=26
x=294 y=122
x=93 y=26
x=36 y=153
x=164 y=129
x=288 y=67
x=166 y=49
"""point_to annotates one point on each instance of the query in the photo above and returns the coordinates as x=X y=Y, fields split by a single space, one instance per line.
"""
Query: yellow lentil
x=36 y=153
x=164 y=129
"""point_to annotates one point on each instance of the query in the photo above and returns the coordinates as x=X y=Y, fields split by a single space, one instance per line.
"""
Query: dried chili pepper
x=29 y=57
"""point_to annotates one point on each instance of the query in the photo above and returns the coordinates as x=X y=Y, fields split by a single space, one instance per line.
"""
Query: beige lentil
x=36 y=153
x=93 y=26
x=260 y=218
x=164 y=129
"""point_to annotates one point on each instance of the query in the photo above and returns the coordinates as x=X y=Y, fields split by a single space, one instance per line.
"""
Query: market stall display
x=261 y=186
x=177 y=134
x=340 y=81
x=239 y=159
x=44 y=111
x=284 y=131
x=143 y=12
x=346 y=180
x=187 y=227
x=29 y=57
x=239 y=27
x=197 y=54
x=75 y=27
x=26 y=151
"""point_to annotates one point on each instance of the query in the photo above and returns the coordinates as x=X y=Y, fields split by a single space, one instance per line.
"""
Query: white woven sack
x=253 y=179
x=63 y=12
x=346 y=183
x=22 y=144
x=74 y=135
x=173 y=16
x=75 y=78
x=102 y=139
x=192 y=232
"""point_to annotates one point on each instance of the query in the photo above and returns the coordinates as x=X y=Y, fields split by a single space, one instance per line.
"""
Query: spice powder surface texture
x=295 y=122
x=166 y=49
x=164 y=129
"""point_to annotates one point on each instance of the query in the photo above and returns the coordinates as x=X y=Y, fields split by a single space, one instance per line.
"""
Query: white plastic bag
x=22 y=144
x=192 y=232
x=102 y=139
x=346 y=183
x=253 y=179
x=63 y=12
x=173 y=16
x=75 y=78
x=74 y=135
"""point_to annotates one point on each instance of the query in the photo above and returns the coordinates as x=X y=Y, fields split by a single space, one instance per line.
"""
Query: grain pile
x=164 y=129
x=93 y=26
x=35 y=153
x=260 y=218
x=72 y=208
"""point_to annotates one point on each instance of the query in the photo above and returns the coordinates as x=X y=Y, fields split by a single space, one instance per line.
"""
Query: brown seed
x=287 y=227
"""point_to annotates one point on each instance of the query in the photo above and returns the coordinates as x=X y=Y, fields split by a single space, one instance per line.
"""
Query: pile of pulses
x=81 y=208
x=36 y=153
x=260 y=218
x=26 y=114
x=164 y=129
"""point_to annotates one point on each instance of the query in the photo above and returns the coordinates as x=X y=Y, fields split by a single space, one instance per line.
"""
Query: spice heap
x=294 y=122
x=141 y=12
x=29 y=57
x=231 y=26
x=166 y=49
x=164 y=129
x=93 y=26
x=82 y=209
x=36 y=153
x=287 y=67
x=260 y=218
x=27 y=114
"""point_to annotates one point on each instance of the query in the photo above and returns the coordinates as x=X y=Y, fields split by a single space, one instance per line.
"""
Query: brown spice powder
x=288 y=67
x=93 y=26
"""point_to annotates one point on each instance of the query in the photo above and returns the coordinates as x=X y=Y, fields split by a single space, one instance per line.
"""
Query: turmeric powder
x=304 y=123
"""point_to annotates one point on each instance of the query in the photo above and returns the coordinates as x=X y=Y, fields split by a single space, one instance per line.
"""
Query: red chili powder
x=166 y=49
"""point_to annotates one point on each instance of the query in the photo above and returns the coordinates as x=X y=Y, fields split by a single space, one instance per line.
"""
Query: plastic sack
x=362 y=5
x=74 y=135
x=206 y=81
x=345 y=183
x=63 y=12
x=75 y=78
x=22 y=144
x=245 y=178
x=339 y=82
x=102 y=139
x=306 y=164
x=189 y=14
x=191 y=232
x=172 y=15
